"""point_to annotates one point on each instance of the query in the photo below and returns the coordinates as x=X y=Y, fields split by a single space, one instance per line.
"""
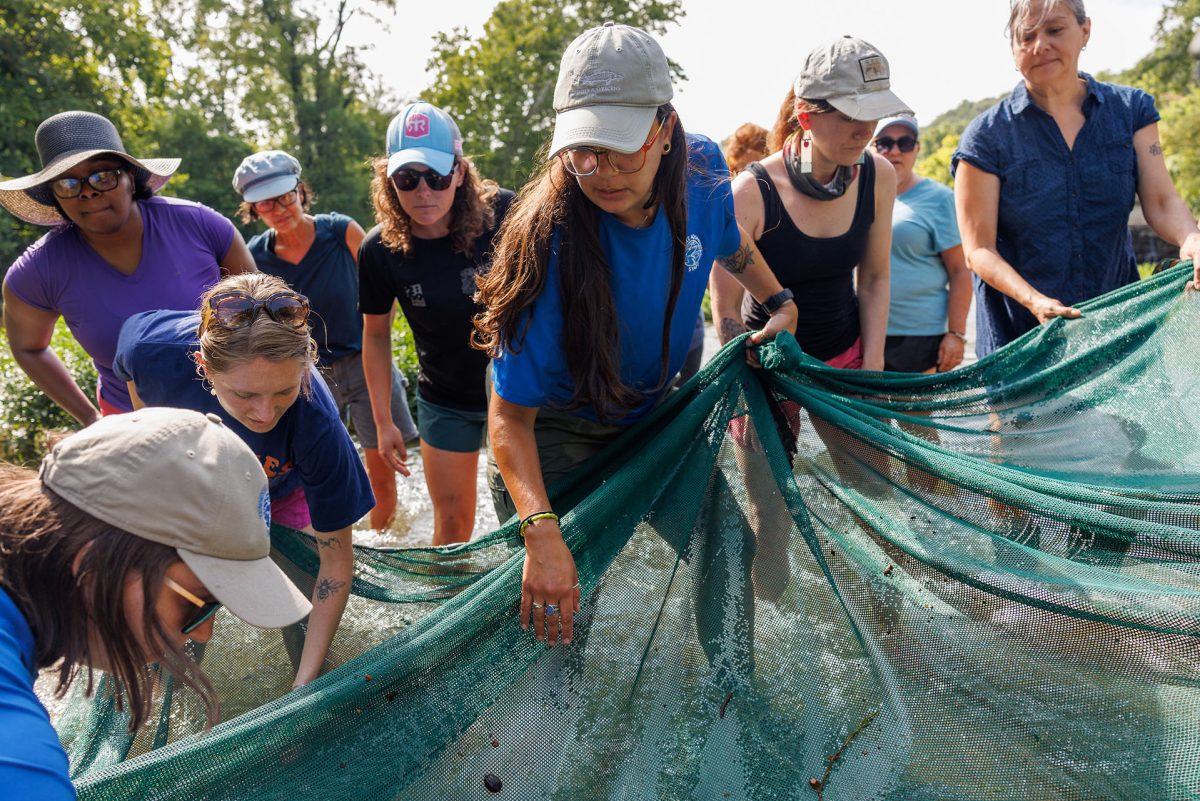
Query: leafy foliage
x=500 y=87
x=28 y=415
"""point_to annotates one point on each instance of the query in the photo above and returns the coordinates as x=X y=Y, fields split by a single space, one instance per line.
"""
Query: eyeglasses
x=101 y=181
x=236 y=309
x=286 y=199
x=406 y=180
x=885 y=143
x=584 y=161
x=207 y=608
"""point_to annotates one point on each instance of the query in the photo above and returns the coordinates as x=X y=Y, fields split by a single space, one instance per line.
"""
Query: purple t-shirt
x=182 y=247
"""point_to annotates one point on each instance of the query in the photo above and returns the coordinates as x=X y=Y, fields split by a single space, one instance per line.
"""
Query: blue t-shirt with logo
x=640 y=264
x=328 y=277
x=923 y=225
x=33 y=763
x=309 y=447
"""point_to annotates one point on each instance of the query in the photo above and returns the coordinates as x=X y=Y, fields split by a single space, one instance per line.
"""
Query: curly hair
x=247 y=214
x=747 y=144
x=472 y=213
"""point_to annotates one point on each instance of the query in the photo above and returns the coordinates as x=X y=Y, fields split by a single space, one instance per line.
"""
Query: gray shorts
x=451 y=429
x=349 y=388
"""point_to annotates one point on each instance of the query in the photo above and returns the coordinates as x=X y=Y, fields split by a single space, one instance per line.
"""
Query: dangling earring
x=213 y=392
x=806 y=152
x=666 y=148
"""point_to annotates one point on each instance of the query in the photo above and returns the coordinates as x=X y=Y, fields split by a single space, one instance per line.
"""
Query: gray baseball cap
x=268 y=174
x=853 y=77
x=182 y=479
x=610 y=84
x=907 y=121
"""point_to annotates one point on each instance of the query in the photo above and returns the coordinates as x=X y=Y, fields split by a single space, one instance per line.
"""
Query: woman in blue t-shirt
x=1046 y=179
x=120 y=550
x=248 y=357
x=930 y=284
x=595 y=285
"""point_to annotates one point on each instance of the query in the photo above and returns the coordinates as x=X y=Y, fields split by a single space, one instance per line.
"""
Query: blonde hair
x=224 y=348
x=472 y=213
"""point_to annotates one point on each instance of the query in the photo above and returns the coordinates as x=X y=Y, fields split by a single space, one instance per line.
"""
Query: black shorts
x=911 y=354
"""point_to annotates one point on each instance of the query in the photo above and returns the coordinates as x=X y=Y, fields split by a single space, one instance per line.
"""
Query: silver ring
x=536 y=605
x=575 y=586
x=551 y=610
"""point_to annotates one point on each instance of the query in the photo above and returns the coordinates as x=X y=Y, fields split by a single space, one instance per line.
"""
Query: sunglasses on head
x=885 y=143
x=101 y=181
x=406 y=179
x=205 y=610
x=236 y=309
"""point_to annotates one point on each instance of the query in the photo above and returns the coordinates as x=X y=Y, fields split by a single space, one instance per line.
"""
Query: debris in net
x=495 y=743
x=815 y=784
x=725 y=704
x=492 y=782
x=368 y=676
x=887 y=571
x=832 y=759
x=391 y=696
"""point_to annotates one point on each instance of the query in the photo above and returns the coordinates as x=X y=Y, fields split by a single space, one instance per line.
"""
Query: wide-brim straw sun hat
x=63 y=141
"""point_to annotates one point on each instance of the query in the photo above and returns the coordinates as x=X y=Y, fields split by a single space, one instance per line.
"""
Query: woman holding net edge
x=1045 y=181
x=595 y=286
x=248 y=357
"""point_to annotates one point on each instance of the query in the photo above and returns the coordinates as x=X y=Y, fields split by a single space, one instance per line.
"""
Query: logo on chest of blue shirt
x=416 y=295
x=693 y=249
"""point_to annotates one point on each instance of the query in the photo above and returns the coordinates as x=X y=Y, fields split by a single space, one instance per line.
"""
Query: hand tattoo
x=730 y=329
x=738 y=261
x=327 y=588
x=331 y=543
x=1155 y=149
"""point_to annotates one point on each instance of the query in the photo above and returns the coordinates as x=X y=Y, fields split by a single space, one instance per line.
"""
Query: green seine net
x=798 y=582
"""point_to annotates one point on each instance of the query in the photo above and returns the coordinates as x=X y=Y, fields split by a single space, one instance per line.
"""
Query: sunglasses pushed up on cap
x=236 y=309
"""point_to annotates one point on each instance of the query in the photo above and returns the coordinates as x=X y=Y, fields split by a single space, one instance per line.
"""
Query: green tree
x=1167 y=71
x=500 y=87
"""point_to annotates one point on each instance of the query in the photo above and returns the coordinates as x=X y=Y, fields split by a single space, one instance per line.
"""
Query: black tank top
x=819 y=271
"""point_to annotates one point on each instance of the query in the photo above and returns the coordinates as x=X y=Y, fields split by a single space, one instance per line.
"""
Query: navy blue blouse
x=1064 y=213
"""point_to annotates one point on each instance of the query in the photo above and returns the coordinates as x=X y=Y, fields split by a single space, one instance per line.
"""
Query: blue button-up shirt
x=1064 y=212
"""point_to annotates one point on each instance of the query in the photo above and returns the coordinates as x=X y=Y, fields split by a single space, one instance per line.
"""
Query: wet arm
x=329 y=598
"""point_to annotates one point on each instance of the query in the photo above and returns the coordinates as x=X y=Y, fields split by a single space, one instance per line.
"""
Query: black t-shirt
x=435 y=287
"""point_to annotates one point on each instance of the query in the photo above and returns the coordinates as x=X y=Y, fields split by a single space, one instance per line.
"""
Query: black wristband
x=776 y=301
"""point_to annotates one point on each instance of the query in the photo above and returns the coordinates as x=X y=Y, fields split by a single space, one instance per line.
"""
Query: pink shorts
x=849 y=359
x=106 y=408
x=291 y=510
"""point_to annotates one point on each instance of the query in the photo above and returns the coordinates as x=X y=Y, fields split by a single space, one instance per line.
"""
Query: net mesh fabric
x=798 y=582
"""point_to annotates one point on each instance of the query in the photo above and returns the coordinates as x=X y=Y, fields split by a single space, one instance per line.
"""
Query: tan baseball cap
x=853 y=77
x=181 y=478
x=611 y=81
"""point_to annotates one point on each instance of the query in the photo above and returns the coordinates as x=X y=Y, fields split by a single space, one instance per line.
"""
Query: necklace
x=806 y=184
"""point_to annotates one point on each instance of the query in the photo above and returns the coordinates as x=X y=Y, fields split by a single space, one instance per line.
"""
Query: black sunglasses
x=406 y=180
x=204 y=611
x=885 y=143
x=101 y=181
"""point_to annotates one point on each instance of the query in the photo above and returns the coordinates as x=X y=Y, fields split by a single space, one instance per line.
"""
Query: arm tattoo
x=1155 y=149
x=330 y=543
x=730 y=329
x=327 y=588
x=738 y=261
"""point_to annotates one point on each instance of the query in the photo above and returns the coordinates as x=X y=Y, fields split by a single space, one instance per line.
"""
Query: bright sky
x=740 y=57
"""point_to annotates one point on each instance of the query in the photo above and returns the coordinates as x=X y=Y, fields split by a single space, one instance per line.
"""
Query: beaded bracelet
x=533 y=518
x=958 y=334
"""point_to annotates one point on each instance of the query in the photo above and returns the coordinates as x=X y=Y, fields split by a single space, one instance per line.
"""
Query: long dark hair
x=552 y=200
x=42 y=537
